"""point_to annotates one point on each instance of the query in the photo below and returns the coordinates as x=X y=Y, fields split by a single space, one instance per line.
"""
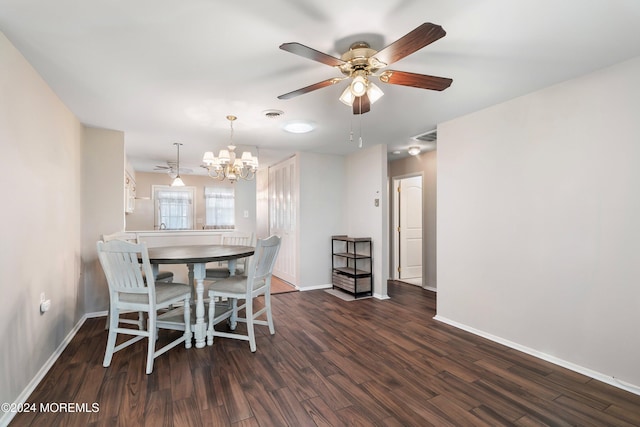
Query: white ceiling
x=171 y=70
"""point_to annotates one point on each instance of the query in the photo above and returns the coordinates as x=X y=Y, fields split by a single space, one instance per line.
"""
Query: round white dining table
x=196 y=258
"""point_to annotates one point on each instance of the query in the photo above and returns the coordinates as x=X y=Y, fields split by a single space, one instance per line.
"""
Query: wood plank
x=320 y=413
x=159 y=409
x=185 y=413
x=263 y=406
x=234 y=398
x=292 y=411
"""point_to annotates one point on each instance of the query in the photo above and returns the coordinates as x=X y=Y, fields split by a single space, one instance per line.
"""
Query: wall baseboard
x=96 y=314
x=615 y=382
x=329 y=286
x=380 y=296
x=6 y=418
x=315 y=288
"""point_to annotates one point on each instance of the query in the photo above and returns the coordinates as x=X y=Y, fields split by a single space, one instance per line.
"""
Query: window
x=219 y=208
x=174 y=208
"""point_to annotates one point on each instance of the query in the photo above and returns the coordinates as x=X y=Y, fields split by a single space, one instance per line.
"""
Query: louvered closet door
x=283 y=216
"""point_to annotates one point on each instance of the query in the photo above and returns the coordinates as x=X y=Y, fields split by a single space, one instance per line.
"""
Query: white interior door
x=283 y=217
x=410 y=228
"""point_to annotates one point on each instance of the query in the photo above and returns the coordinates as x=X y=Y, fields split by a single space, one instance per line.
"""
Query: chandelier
x=227 y=165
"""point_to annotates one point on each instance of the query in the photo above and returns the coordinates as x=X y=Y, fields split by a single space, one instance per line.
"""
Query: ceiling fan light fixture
x=359 y=86
x=177 y=182
x=347 y=97
x=374 y=93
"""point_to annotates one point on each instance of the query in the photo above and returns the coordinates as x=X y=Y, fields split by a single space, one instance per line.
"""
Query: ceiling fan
x=171 y=168
x=361 y=62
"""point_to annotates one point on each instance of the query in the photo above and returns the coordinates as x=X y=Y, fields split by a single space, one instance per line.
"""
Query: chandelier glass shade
x=228 y=165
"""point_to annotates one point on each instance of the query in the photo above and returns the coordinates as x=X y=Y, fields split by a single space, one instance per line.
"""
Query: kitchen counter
x=155 y=238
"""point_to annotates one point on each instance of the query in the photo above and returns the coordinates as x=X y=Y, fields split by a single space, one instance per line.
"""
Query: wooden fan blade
x=421 y=81
x=361 y=104
x=309 y=53
x=425 y=34
x=311 y=88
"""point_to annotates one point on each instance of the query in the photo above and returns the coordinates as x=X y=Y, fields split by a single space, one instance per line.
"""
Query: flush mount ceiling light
x=414 y=151
x=177 y=181
x=227 y=165
x=298 y=127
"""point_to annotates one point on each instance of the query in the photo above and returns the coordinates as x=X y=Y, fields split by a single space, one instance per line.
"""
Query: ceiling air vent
x=430 y=136
x=272 y=114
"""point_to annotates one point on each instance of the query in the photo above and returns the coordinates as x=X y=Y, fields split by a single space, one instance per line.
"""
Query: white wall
x=337 y=197
x=41 y=217
x=103 y=162
x=538 y=232
x=321 y=208
x=365 y=181
x=142 y=217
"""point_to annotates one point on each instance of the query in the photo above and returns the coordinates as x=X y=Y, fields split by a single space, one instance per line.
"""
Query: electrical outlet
x=45 y=304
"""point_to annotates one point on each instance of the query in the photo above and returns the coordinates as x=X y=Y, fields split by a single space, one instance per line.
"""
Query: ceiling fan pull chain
x=351 y=129
x=360 y=123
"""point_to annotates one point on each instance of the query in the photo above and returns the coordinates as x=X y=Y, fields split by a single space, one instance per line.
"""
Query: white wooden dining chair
x=222 y=271
x=161 y=276
x=246 y=287
x=129 y=291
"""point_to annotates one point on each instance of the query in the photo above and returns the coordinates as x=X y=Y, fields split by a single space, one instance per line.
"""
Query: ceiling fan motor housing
x=358 y=58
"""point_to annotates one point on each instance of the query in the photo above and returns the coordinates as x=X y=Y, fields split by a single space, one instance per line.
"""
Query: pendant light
x=177 y=182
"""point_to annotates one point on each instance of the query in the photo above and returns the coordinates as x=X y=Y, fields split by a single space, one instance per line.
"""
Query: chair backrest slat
x=238 y=239
x=120 y=261
x=127 y=236
x=263 y=261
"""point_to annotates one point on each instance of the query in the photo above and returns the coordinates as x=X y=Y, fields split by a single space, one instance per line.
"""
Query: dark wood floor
x=279 y=286
x=331 y=363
